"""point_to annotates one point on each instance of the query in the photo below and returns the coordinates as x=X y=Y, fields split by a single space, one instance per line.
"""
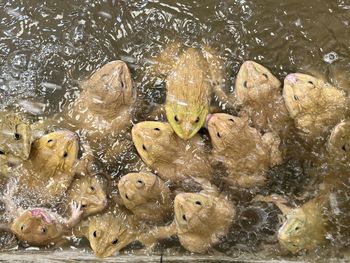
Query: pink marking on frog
x=291 y=78
x=38 y=212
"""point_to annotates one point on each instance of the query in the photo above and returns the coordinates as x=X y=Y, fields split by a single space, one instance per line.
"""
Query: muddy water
x=47 y=47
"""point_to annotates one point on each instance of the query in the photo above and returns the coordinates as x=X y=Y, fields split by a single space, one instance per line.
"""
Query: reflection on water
x=47 y=47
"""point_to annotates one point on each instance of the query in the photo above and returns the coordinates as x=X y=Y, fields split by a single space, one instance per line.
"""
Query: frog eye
x=144 y=147
x=84 y=205
x=139 y=183
x=232 y=120
x=184 y=217
x=115 y=241
x=50 y=142
x=344 y=148
x=94 y=234
x=218 y=135
x=2 y=152
x=176 y=118
x=156 y=129
x=17 y=136
x=296 y=97
x=65 y=154
x=126 y=196
x=265 y=75
x=197 y=120
x=245 y=84
x=92 y=188
x=22 y=227
x=198 y=203
x=310 y=82
x=43 y=230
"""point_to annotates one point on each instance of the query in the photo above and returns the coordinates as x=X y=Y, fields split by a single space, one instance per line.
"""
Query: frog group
x=193 y=165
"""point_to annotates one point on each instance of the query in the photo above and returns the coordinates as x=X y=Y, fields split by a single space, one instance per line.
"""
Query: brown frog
x=50 y=169
x=246 y=153
x=315 y=105
x=109 y=232
x=173 y=159
x=201 y=220
x=338 y=144
x=146 y=196
x=103 y=109
x=38 y=226
x=259 y=95
x=88 y=190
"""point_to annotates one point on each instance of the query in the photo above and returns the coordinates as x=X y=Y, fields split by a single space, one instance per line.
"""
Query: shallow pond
x=47 y=47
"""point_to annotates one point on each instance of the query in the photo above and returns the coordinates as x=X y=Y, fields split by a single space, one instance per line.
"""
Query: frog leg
x=273 y=141
x=77 y=212
x=151 y=237
x=251 y=180
x=278 y=200
x=217 y=78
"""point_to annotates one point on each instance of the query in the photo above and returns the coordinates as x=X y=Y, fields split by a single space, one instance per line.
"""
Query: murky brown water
x=46 y=47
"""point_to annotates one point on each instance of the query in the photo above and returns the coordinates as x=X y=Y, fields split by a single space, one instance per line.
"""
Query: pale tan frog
x=338 y=144
x=192 y=77
x=38 y=226
x=103 y=110
x=146 y=196
x=259 y=95
x=50 y=169
x=246 y=153
x=315 y=105
x=88 y=190
x=173 y=159
x=201 y=220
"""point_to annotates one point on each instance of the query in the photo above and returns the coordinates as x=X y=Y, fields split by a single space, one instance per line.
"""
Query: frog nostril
x=126 y=196
x=184 y=217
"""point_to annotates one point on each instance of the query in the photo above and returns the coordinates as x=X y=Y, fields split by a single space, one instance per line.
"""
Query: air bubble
x=330 y=57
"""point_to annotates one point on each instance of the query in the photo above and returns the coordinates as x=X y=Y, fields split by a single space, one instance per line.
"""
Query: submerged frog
x=315 y=105
x=88 y=191
x=39 y=226
x=147 y=196
x=338 y=144
x=173 y=159
x=320 y=220
x=246 y=153
x=103 y=109
x=191 y=78
x=50 y=169
x=259 y=94
x=201 y=220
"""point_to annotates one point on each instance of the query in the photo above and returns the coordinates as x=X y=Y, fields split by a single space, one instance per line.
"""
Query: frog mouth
x=38 y=212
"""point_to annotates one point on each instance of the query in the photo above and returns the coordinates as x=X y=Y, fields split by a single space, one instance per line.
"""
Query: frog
x=338 y=143
x=319 y=221
x=192 y=77
x=245 y=152
x=258 y=94
x=50 y=169
x=174 y=160
x=201 y=220
x=109 y=232
x=315 y=105
x=102 y=112
x=88 y=190
x=38 y=226
x=146 y=196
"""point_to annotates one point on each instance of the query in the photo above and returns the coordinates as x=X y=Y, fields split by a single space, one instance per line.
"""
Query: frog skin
x=38 y=226
x=259 y=96
x=50 y=169
x=103 y=110
x=88 y=190
x=146 y=196
x=314 y=105
x=246 y=153
x=192 y=77
x=172 y=158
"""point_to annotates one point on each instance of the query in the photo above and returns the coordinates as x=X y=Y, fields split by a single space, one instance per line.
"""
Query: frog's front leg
x=150 y=238
x=273 y=141
x=77 y=213
x=278 y=200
